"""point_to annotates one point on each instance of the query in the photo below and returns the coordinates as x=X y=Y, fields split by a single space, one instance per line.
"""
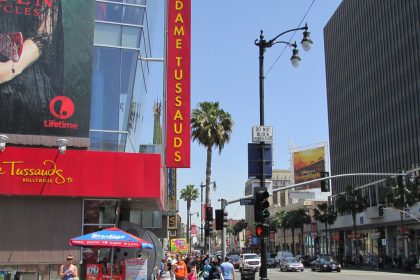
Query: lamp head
x=295 y=59
x=62 y=145
x=306 y=41
x=3 y=140
x=214 y=186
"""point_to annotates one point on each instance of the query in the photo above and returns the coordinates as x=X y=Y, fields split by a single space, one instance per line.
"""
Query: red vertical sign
x=178 y=133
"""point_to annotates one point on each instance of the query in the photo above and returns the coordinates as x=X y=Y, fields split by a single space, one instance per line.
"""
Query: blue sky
x=225 y=69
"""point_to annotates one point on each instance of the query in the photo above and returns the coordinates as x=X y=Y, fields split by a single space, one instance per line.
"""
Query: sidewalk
x=414 y=270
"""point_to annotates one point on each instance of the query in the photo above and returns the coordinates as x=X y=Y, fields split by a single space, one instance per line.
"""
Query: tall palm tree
x=354 y=202
x=212 y=127
x=401 y=195
x=291 y=222
x=302 y=218
x=278 y=222
x=326 y=216
x=188 y=194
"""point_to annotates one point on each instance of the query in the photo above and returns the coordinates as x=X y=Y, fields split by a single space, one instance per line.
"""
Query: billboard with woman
x=45 y=67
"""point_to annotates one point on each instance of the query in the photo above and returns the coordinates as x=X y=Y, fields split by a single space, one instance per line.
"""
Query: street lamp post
x=202 y=215
x=262 y=44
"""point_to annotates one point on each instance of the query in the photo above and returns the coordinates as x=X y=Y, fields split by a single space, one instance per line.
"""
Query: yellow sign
x=172 y=224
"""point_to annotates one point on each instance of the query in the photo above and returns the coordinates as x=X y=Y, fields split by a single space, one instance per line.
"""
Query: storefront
x=48 y=198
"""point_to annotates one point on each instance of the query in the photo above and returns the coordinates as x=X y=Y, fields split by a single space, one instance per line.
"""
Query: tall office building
x=373 y=78
x=86 y=93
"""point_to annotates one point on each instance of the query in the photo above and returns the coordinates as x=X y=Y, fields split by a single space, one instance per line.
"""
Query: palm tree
x=290 y=219
x=211 y=126
x=401 y=196
x=189 y=193
x=354 y=202
x=326 y=216
x=278 y=220
x=302 y=218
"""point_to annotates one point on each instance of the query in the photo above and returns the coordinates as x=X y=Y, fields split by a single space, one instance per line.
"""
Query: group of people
x=178 y=267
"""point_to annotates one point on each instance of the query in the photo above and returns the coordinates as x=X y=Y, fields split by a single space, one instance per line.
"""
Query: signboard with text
x=307 y=165
x=262 y=134
x=178 y=132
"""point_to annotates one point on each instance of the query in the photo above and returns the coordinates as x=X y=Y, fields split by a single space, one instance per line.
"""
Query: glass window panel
x=100 y=212
x=131 y=36
x=107 y=34
x=133 y=15
x=109 y=12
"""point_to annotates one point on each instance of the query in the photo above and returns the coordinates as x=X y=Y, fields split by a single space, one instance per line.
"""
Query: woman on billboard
x=31 y=63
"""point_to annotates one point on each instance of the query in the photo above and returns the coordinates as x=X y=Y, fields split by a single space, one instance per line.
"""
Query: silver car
x=291 y=264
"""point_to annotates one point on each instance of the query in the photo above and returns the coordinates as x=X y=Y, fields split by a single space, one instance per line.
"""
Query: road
x=274 y=274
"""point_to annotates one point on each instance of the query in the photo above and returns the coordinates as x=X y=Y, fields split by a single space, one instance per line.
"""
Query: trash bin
x=248 y=274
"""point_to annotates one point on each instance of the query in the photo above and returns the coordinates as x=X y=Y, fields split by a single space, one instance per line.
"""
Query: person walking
x=180 y=269
x=227 y=270
x=206 y=270
x=215 y=272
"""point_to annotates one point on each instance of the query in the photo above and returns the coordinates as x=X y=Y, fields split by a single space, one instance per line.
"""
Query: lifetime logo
x=61 y=107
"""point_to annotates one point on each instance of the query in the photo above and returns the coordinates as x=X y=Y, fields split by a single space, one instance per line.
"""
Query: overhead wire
x=291 y=37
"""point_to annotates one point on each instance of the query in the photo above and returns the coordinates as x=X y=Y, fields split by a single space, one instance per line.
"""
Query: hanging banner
x=178 y=105
x=46 y=46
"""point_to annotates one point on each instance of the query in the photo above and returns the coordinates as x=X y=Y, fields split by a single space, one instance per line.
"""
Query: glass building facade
x=119 y=84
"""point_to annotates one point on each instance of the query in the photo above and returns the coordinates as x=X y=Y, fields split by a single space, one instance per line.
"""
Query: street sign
x=246 y=201
x=262 y=134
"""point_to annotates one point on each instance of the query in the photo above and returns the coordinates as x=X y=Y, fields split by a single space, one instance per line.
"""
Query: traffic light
x=261 y=230
x=209 y=221
x=219 y=219
x=325 y=186
x=381 y=210
x=225 y=218
x=261 y=204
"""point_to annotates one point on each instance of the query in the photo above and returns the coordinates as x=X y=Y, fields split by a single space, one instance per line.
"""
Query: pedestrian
x=215 y=272
x=165 y=271
x=206 y=270
x=192 y=275
x=227 y=270
x=180 y=269
x=68 y=271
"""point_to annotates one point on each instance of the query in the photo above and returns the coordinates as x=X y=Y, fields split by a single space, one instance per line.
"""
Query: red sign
x=80 y=173
x=193 y=230
x=178 y=133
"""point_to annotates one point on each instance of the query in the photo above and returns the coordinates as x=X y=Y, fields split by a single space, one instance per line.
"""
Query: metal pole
x=223 y=206
x=202 y=221
x=263 y=249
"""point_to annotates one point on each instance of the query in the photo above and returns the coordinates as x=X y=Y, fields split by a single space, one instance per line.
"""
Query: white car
x=249 y=261
x=291 y=264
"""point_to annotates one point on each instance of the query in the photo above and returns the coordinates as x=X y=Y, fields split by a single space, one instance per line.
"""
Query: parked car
x=291 y=264
x=325 y=263
x=271 y=262
x=249 y=261
x=235 y=261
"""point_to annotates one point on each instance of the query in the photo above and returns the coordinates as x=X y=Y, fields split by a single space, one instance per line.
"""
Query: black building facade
x=373 y=88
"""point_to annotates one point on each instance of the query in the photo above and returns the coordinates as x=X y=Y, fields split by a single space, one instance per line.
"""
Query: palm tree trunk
x=301 y=242
x=293 y=242
x=357 y=239
x=208 y=176
x=284 y=239
x=188 y=225
x=326 y=237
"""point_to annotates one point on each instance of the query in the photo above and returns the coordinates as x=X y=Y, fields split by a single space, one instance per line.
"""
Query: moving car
x=249 y=261
x=281 y=255
x=291 y=264
x=235 y=261
x=271 y=262
x=325 y=263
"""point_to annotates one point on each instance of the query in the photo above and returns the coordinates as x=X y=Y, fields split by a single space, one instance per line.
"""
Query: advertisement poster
x=46 y=63
x=136 y=269
x=307 y=165
x=94 y=271
x=179 y=245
